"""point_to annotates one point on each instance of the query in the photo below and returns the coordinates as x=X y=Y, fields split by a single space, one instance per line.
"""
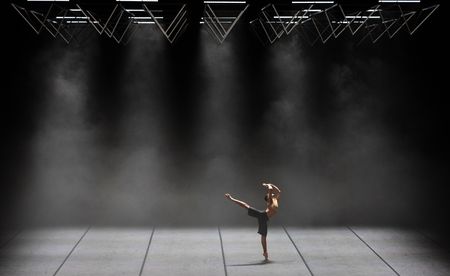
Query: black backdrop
x=153 y=133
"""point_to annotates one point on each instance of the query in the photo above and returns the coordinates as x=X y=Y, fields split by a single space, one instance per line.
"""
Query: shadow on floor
x=263 y=263
x=251 y=264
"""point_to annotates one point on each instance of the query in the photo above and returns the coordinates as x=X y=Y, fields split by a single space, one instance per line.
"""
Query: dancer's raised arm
x=272 y=190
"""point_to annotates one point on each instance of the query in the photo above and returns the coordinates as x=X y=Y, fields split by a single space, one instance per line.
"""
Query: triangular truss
x=327 y=28
x=118 y=26
x=314 y=20
x=271 y=25
x=175 y=27
x=46 y=20
x=29 y=18
x=337 y=20
x=419 y=17
x=316 y=23
x=359 y=19
x=220 y=26
x=398 y=23
x=391 y=19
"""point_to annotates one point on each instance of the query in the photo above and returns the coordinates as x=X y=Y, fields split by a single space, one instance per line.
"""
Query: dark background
x=154 y=134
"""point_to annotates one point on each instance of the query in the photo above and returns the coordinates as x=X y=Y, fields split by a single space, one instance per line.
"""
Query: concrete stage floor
x=220 y=251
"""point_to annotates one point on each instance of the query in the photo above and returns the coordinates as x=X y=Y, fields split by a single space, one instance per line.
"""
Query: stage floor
x=220 y=251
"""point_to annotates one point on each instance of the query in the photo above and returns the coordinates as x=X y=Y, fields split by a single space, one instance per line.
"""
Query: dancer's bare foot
x=266 y=256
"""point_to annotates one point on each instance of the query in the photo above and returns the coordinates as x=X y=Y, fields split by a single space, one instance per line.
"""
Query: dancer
x=272 y=198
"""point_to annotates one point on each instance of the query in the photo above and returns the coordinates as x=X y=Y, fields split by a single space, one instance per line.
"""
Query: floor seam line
x=298 y=251
x=146 y=252
x=71 y=251
x=223 y=252
x=373 y=250
x=435 y=242
x=11 y=238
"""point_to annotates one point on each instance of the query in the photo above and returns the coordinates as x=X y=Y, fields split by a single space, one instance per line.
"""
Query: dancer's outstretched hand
x=228 y=196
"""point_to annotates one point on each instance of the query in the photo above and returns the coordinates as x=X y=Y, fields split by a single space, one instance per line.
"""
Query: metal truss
x=118 y=21
x=359 y=19
x=314 y=21
x=48 y=19
x=419 y=17
x=324 y=20
x=118 y=25
x=175 y=27
x=221 y=26
x=272 y=22
x=391 y=19
x=330 y=22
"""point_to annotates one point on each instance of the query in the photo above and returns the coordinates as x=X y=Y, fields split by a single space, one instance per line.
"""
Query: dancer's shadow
x=265 y=263
x=251 y=264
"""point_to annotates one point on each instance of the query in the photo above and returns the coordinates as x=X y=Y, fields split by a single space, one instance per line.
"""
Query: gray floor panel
x=108 y=251
x=243 y=253
x=192 y=251
x=337 y=251
x=38 y=252
x=408 y=252
x=185 y=252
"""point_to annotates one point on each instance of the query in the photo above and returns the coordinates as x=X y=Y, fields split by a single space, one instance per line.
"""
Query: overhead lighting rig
x=221 y=21
x=315 y=21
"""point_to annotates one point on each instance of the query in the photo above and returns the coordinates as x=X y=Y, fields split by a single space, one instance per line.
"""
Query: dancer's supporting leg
x=264 y=246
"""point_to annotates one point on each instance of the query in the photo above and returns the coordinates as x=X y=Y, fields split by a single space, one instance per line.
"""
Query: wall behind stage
x=155 y=134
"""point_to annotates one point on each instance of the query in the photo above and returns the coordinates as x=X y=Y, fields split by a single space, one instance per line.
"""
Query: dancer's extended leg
x=238 y=202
